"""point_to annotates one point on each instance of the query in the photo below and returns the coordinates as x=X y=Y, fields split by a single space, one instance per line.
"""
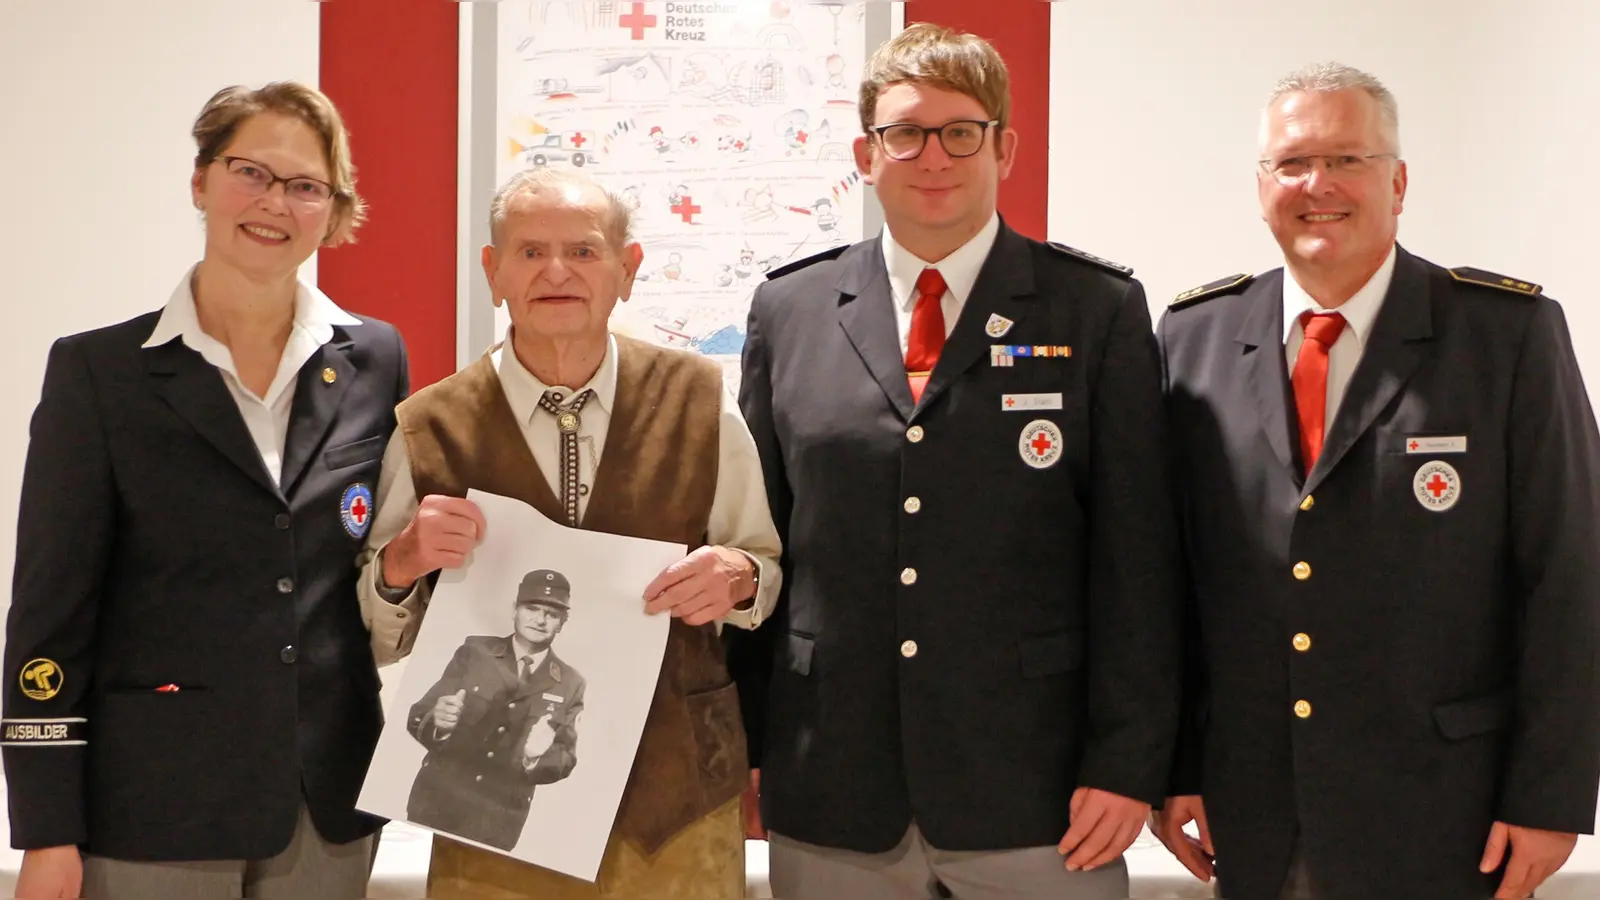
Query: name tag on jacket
x=1457 y=444
x=1019 y=402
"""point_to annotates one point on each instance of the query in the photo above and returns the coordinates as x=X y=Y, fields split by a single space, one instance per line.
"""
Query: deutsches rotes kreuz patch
x=1040 y=444
x=355 y=510
x=1437 y=485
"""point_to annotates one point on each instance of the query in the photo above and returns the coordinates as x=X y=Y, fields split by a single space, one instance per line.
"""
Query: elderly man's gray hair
x=1328 y=77
x=618 y=213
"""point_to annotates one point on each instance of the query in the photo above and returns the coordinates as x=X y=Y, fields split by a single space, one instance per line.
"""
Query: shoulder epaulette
x=1484 y=278
x=1211 y=289
x=797 y=265
x=1106 y=264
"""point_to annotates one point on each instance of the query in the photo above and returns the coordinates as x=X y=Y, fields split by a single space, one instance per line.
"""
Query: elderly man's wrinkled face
x=538 y=624
x=1331 y=188
x=554 y=267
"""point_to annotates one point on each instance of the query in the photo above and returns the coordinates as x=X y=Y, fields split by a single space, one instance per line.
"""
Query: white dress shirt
x=740 y=517
x=267 y=418
x=527 y=660
x=1359 y=312
x=960 y=270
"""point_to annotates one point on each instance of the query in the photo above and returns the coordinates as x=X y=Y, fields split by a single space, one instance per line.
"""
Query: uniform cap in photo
x=546 y=587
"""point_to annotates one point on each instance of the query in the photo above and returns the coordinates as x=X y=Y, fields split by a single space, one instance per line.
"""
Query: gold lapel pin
x=329 y=376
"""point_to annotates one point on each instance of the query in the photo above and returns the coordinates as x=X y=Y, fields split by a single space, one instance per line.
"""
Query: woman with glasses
x=190 y=702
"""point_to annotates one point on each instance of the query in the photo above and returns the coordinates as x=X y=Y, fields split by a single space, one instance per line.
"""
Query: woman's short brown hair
x=231 y=107
x=936 y=56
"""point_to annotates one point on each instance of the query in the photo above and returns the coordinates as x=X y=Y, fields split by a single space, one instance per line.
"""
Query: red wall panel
x=391 y=67
x=1020 y=31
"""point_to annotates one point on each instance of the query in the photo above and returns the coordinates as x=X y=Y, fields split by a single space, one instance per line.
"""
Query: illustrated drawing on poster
x=516 y=723
x=727 y=126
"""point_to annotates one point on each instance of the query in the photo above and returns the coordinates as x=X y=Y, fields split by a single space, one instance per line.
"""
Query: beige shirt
x=266 y=418
x=960 y=270
x=1359 y=312
x=740 y=517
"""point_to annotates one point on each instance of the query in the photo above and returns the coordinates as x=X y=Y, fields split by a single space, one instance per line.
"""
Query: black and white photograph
x=515 y=725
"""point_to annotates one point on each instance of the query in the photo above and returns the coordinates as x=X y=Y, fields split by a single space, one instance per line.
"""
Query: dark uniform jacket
x=473 y=782
x=980 y=608
x=1399 y=649
x=185 y=659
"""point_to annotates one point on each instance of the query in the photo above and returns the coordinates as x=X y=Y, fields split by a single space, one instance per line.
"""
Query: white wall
x=1154 y=113
x=1533 y=127
x=98 y=99
x=1155 y=106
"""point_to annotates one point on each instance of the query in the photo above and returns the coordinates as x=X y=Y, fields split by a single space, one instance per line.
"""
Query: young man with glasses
x=1390 y=491
x=973 y=681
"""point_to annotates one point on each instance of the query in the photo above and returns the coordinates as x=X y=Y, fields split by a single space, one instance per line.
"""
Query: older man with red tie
x=1396 y=592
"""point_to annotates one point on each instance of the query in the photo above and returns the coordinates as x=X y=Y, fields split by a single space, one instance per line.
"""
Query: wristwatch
x=749 y=602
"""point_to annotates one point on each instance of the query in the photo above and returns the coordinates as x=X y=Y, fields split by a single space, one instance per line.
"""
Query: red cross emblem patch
x=355 y=510
x=1437 y=486
x=1040 y=444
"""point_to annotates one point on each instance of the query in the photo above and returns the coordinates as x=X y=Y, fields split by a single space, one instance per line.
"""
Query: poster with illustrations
x=726 y=125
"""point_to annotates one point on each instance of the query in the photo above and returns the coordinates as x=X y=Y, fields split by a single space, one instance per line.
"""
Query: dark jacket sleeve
x=1188 y=755
x=750 y=653
x=420 y=721
x=66 y=530
x=1554 y=763
x=403 y=381
x=562 y=757
x=1133 y=568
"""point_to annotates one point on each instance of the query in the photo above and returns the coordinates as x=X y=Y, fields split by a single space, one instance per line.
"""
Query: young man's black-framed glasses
x=961 y=138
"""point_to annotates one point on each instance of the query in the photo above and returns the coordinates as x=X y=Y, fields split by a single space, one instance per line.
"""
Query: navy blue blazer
x=185 y=659
x=1398 y=649
x=981 y=589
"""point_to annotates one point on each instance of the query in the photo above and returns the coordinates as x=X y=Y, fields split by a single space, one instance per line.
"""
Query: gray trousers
x=914 y=870
x=308 y=869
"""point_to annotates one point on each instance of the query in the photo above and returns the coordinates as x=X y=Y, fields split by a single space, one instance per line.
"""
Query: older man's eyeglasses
x=1292 y=170
x=903 y=140
x=255 y=179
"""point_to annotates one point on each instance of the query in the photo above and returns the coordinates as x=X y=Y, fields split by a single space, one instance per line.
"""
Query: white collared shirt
x=1359 y=312
x=266 y=418
x=740 y=517
x=960 y=270
x=523 y=654
x=523 y=391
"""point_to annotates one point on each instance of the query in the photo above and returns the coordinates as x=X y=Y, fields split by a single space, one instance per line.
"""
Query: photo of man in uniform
x=499 y=722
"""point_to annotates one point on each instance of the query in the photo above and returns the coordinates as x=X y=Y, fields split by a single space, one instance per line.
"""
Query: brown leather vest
x=656 y=480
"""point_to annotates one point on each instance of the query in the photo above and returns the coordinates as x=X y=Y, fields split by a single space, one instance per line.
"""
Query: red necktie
x=927 y=331
x=1310 y=381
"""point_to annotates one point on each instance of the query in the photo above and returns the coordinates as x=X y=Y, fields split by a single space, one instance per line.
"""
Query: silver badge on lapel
x=1437 y=485
x=997 y=326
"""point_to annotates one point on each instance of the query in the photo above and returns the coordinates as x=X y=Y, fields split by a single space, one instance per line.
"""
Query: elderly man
x=487 y=755
x=604 y=433
x=1390 y=494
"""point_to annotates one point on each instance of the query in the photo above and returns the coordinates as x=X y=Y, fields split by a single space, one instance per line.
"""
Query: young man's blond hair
x=938 y=57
